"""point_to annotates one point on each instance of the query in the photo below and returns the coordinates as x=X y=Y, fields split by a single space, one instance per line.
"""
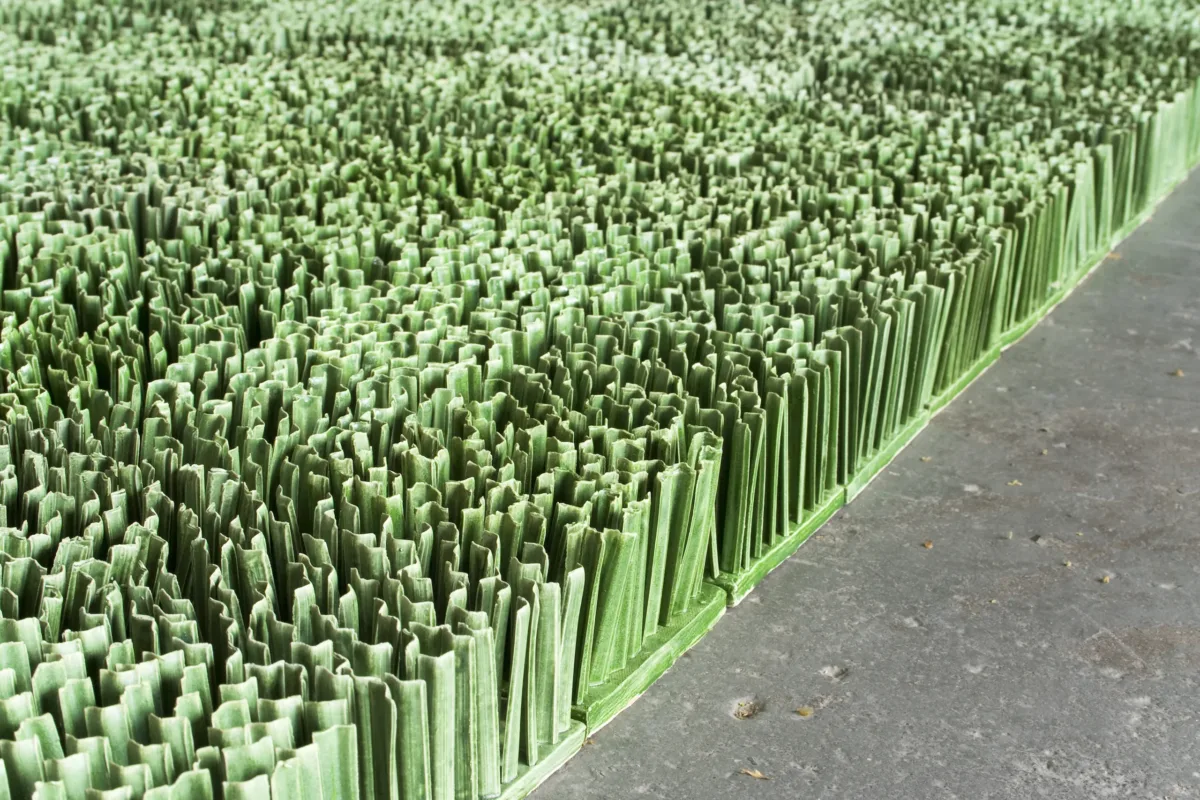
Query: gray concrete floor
x=983 y=667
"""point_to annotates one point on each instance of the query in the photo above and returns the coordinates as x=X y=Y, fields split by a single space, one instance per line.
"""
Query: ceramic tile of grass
x=390 y=394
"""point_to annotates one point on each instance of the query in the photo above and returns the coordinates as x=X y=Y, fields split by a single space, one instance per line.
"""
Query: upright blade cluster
x=391 y=391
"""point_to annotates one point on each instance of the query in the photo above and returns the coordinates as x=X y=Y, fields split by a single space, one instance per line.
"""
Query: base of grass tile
x=659 y=652
x=1018 y=332
x=964 y=380
x=662 y=650
x=877 y=462
x=738 y=585
x=529 y=778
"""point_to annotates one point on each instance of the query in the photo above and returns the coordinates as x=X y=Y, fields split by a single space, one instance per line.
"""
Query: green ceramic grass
x=391 y=392
x=529 y=778
x=881 y=459
x=607 y=699
x=977 y=368
x=740 y=584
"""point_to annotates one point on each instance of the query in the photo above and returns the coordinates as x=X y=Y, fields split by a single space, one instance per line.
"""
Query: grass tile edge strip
x=739 y=586
x=1017 y=333
x=532 y=777
x=662 y=651
x=743 y=584
x=682 y=636
x=885 y=456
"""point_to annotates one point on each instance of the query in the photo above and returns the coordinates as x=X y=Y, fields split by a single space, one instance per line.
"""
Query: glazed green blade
x=387 y=399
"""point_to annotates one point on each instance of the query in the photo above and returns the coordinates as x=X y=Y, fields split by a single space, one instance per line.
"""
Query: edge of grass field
x=1025 y=327
x=740 y=584
x=878 y=462
x=664 y=649
x=658 y=654
x=529 y=778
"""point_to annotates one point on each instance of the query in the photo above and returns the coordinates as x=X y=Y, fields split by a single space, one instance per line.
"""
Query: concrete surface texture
x=952 y=634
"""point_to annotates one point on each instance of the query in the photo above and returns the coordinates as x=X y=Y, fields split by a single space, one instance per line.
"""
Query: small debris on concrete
x=928 y=545
x=1066 y=563
x=804 y=711
x=836 y=674
x=1176 y=374
x=753 y=773
x=1105 y=579
x=747 y=708
x=927 y=459
x=1015 y=482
